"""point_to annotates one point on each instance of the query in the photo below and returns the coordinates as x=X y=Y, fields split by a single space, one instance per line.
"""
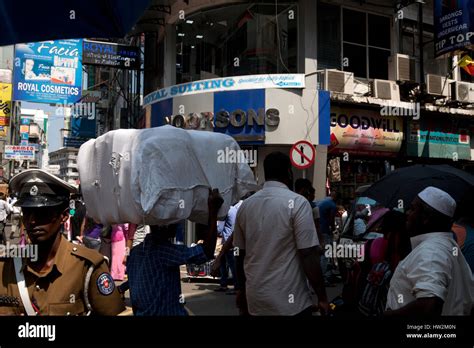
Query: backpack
x=374 y=295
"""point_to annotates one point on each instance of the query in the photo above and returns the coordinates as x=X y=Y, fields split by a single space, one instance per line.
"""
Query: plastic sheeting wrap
x=159 y=175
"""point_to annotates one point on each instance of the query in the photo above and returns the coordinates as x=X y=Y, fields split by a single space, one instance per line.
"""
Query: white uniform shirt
x=435 y=267
x=271 y=226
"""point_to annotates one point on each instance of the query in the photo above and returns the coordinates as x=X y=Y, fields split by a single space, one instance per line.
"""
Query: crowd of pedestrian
x=276 y=255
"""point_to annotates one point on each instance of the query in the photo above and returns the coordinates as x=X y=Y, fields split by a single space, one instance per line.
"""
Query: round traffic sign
x=302 y=154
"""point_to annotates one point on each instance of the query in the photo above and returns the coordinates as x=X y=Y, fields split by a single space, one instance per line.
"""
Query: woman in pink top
x=118 y=244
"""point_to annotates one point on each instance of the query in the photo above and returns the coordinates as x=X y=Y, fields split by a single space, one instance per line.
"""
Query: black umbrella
x=33 y=21
x=399 y=188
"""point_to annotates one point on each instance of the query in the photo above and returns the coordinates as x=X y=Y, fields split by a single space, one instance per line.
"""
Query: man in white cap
x=434 y=279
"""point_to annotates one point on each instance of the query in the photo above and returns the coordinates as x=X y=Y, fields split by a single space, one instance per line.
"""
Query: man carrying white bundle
x=153 y=266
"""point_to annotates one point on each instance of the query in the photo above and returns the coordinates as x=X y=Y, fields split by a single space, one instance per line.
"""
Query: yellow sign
x=5 y=103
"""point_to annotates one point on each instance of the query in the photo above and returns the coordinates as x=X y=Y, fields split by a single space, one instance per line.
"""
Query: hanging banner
x=48 y=72
x=454 y=25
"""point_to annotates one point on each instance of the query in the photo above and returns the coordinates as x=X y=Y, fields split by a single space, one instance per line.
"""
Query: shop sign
x=19 y=152
x=439 y=138
x=236 y=118
x=110 y=54
x=365 y=132
x=240 y=114
x=73 y=142
x=227 y=84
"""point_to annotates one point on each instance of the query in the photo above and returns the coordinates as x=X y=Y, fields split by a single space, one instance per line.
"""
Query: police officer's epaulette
x=88 y=254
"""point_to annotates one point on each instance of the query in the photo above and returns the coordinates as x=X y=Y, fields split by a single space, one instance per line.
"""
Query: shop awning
x=32 y=21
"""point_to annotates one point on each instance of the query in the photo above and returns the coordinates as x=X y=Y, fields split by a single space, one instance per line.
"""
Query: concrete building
x=37 y=137
x=374 y=96
x=66 y=158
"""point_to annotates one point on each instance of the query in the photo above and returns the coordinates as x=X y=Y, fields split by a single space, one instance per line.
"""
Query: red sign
x=302 y=154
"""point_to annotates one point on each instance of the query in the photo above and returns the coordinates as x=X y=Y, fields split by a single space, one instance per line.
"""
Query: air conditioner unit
x=438 y=85
x=339 y=81
x=463 y=92
x=401 y=67
x=385 y=89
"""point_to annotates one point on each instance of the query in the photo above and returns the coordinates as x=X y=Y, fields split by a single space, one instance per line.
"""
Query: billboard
x=73 y=142
x=18 y=153
x=48 y=71
x=110 y=54
x=454 y=25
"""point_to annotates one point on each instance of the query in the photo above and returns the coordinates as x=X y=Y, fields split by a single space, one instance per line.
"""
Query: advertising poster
x=454 y=25
x=48 y=72
x=365 y=132
x=5 y=103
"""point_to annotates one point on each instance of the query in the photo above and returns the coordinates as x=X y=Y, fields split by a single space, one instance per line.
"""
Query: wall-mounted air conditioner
x=438 y=85
x=385 y=89
x=339 y=81
x=463 y=92
x=401 y=67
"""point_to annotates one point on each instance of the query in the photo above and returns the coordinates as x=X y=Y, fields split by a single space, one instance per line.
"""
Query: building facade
x=388 y=102
x=66 y=159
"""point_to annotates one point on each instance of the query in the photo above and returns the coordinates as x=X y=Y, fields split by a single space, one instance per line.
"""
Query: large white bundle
x=159 y=175
x=104 y=170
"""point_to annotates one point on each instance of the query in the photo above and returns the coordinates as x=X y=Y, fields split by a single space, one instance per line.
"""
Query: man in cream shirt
x=434 y=279
x=277 y=248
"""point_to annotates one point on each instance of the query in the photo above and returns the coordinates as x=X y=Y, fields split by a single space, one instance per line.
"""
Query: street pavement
x=201 y=299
